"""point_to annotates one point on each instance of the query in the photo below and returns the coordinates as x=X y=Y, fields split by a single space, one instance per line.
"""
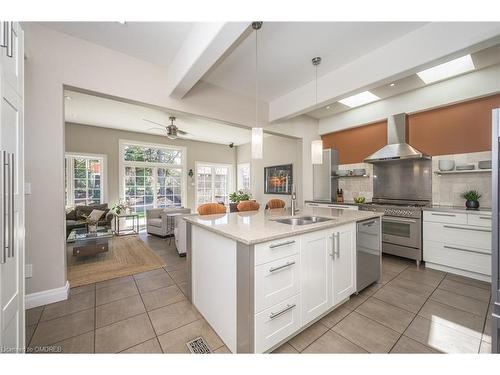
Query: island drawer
x=273 y=250
x=277 y=323
x=276 y=281
x=445 y=217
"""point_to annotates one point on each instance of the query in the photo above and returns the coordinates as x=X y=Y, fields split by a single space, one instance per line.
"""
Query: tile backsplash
x=447 y=188
x=357 y=186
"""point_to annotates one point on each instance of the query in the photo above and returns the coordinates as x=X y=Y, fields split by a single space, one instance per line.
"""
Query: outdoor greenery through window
x=213 y=183
x=153 y=177
x=84 y=180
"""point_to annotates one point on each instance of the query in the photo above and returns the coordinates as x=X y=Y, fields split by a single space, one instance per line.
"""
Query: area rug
x=127 y=255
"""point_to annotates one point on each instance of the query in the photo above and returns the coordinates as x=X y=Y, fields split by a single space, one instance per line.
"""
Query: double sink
x=303 y=220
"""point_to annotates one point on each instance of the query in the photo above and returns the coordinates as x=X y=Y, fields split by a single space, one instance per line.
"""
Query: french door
x=214 y=183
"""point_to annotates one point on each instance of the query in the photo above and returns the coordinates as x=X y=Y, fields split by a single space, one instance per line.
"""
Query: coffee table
x=85 y=244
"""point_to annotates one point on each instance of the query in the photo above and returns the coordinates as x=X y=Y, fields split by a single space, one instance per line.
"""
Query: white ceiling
x=285 y=51
x=97 y=111
x=155 y=42
x=482 y=59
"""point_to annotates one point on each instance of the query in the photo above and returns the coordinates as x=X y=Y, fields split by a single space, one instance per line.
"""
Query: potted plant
x=471 y=199
x=120 y=207
x=236 y=198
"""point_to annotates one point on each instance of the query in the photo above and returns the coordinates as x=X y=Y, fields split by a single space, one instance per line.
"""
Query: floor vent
x=198 y=346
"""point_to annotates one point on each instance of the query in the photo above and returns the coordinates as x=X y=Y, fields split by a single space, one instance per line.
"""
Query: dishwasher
x=368 y=253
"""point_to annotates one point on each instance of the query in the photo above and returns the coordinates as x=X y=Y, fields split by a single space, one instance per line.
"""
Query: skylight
x=359 y=99
x=448 y=69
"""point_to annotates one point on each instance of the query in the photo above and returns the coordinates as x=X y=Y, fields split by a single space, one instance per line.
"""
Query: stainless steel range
x=401 y=226
x=402 y=186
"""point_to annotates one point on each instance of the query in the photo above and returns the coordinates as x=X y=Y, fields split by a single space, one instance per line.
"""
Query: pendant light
x=257 y=132
x=316 y=145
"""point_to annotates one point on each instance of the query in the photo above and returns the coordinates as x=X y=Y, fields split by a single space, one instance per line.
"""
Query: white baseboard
x=47 y=296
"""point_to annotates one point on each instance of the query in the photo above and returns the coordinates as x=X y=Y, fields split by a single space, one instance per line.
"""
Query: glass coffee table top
x=81 y=234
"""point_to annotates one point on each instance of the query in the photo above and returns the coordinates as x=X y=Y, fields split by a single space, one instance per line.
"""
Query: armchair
x=159 y=224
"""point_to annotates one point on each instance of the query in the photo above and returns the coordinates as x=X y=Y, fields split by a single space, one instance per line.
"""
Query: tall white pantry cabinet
x=11 y=188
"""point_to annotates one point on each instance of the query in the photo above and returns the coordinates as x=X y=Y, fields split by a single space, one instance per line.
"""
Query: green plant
x=359 y=200
x=239 y=196
x=471 y=195
x=120 y=206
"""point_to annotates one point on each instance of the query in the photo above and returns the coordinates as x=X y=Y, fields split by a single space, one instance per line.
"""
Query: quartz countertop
x=336 y=203
x=254 y=227
x=458 y=209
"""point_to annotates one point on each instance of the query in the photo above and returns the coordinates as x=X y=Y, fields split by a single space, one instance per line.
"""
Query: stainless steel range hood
x=396 y=147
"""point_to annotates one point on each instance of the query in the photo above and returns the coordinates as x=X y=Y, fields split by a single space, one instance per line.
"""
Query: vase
x=472 y=205
x=92 y=228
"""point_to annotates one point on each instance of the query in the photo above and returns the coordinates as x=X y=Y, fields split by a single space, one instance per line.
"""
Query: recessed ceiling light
x=359 y=99
x=392 y=84
x=448 y=69
x=327 y=107
x=67 y=97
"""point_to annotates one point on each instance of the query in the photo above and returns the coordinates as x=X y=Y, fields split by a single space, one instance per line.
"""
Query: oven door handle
x=399 y=220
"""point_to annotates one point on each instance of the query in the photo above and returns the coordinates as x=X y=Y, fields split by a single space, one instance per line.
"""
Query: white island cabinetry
x=257 y=294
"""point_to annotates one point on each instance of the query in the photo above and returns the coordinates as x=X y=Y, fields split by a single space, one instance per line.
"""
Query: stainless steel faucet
x=294 y=201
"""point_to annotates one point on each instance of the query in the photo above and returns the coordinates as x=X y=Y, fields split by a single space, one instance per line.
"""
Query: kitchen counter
x=255 y=227
x=458 y=209
x=330 y=202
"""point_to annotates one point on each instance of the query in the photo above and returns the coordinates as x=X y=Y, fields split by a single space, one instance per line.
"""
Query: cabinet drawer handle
x=313 y=204
x=281 y=312
x=485 y=217
x=287 y=264
x=369 y=224
x=467 y=250
x=464 y=228
x=448 y=215
x=274 y=246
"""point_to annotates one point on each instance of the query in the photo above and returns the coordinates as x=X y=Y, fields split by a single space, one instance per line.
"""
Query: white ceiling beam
x=206 y=43
x=401 y=57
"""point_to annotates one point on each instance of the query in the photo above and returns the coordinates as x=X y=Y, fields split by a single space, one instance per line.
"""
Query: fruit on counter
x=359 y=200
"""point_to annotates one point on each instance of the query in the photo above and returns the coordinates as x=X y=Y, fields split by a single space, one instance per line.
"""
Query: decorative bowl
x=446 y=165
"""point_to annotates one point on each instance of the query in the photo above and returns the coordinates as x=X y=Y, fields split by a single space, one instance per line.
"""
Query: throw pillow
x=96 y=214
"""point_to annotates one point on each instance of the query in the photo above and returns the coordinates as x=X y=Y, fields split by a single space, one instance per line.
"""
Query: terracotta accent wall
x=355 y=144
x=455 y=129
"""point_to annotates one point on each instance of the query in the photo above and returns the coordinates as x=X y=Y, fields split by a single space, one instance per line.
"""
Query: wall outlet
x=28 y=271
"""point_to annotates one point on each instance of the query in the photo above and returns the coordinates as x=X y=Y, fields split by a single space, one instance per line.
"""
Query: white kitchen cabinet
x=458 y=243
x=344 y=263
x=276 y=281
x=328 y=264
x=316 y=254
x=12 y=57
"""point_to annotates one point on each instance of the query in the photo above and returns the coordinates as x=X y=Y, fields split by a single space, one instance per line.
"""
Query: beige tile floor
x=411 y=311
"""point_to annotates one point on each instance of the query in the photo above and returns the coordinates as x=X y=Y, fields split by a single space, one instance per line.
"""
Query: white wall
x=469 y=86
x=276 y=151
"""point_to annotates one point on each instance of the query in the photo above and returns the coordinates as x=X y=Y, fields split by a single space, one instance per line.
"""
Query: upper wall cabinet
x=12 y=55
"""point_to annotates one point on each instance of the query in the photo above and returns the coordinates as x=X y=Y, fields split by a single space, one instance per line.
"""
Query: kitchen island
x=259 y=281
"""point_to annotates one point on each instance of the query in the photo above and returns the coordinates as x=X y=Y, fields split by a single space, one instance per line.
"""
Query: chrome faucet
x=294 y=208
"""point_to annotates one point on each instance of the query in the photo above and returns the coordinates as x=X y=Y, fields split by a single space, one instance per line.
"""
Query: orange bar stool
x=211 y=209
x=275 y=203
x=248 y=206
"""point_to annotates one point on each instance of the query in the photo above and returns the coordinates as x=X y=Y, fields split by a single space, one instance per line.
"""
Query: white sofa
x=158 y=223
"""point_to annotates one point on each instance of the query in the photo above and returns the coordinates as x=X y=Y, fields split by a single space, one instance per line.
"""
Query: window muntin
x=213 y=183
x=84 y=179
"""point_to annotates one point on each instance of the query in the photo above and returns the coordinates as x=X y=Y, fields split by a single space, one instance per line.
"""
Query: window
x=213 y=183
x=244 y=177
x=85 y=179
x=152 y=176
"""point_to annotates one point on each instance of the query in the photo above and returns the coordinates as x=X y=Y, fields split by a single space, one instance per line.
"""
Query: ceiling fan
x=172 y=131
